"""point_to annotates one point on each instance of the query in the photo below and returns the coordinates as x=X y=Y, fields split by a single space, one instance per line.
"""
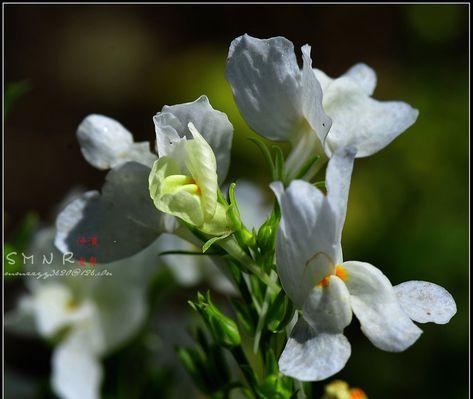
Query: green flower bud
x=266 y=237
x=223 y=329
x=184 y=184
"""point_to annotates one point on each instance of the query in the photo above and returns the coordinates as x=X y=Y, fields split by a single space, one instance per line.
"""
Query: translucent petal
x=375 y=304
x=105 y=143
x=426 y=302
x=311 y=356
x=122 y=219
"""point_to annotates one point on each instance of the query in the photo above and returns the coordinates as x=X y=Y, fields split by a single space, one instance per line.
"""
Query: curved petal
x=327 y=308
x=375 y=304
x=305 y=247
x=426 y=302
x=311 y=101
x=76 y=369
x=362 y=122
x=105 y=143
x=202 y=164
x=308 y=245
x=171 y=127
x=309 y=356
x=337 y=180
x=122 y=219
x=273 y=95
x=364 y=76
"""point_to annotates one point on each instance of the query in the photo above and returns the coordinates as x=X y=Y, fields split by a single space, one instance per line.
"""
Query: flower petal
x=311 y=356
x=375 y=304
x=76 y=369
x=337 y=180
x=123 y=219
x=426 y=302
x=327 y=308
x=311 y=101
x=364 y=76
x=308 y=245
x=362 y=122
x=105 y=143
x=202 y=164
x=273 y=95
x=305 y=247
x=171 y=127
x=173 y=200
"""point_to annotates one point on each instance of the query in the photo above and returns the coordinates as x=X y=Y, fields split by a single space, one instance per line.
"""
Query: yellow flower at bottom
x=339 y=389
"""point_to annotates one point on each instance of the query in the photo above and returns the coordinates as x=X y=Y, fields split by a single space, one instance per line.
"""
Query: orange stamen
x=340 y=272
x=357 y=393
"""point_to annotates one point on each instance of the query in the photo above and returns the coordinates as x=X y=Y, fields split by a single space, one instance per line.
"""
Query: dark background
x=409 y=203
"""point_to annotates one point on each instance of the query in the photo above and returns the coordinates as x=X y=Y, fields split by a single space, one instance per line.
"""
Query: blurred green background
x=408 y=211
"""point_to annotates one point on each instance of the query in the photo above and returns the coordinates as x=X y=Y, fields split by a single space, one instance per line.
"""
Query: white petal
x=362 y=122
x=309 y=356
x=51 y=308
x=105 y=143
x=364 y=76
x=171 y=127
x=273 y=95
x=375 y=304
x=323 y=79
x=308 y=245
x=338 y=178
x=312 y=98
x=123 y=219
x=327 y=308
x=306 y=248
x=426 y=302
x=76 y=370
x=54 y=307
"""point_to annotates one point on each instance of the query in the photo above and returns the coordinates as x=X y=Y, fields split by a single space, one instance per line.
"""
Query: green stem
x=231 y=246
x=262 y=314
x=245 y=368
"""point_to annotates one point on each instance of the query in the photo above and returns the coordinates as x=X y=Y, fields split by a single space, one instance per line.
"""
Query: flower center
x=340 y=272
x=174 y=183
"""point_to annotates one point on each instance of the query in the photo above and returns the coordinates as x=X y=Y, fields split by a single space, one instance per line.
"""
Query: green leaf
x=181 y=252
x=280 y=312
x=306 y=166
x=265 y=151
x=213 y=240
x=320 y=184
x=279 y=164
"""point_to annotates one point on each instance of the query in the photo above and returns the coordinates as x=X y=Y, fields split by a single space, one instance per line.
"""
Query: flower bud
x=184 y=184
x=223 y=329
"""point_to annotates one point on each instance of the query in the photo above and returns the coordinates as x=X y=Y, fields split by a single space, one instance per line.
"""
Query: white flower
x=122 y=216
x=91 y=316
x=171 y=125
x=315 y=113
x=184 y=183
x=328 y=290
